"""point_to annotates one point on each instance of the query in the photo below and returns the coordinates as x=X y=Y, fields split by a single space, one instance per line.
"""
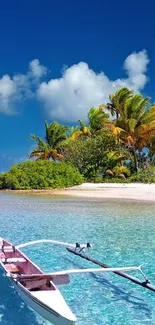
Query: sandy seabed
x=135 y=191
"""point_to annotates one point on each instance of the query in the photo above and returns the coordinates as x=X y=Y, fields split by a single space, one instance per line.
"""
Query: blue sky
x=58 y=58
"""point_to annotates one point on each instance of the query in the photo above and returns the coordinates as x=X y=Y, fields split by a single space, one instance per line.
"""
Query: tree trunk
x=135 y=158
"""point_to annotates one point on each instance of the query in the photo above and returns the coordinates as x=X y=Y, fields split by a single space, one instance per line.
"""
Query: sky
x=58 y=58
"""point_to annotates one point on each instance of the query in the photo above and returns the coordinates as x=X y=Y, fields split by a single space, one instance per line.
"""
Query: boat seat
x=13 y=260
x=12 y=268
x=8 y=249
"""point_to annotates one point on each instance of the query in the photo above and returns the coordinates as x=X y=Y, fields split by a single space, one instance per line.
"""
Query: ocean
x=122 y=234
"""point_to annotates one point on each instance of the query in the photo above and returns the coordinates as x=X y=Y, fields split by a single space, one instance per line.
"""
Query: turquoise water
x=122 y=234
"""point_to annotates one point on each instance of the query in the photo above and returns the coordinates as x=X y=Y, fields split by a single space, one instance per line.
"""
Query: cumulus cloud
x=136 y=63
x=37 y=70
x=19 y=87
x=8 y=91
x=136 y=66
x=71 y=96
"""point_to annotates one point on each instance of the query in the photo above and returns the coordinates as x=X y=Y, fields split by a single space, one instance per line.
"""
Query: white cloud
x=36 y=69
x=136 y=63
x=136 y=66
x=19 y=87
x=8 y=91
x=70 y=97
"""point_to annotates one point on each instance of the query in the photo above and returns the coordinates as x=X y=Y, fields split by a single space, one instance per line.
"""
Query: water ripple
x=122 y=234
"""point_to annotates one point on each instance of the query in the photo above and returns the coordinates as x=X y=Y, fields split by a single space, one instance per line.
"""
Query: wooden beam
x=146 y=284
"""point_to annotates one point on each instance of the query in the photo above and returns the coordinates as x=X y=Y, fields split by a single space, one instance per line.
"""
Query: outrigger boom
x=50 y=276
x=56 y=242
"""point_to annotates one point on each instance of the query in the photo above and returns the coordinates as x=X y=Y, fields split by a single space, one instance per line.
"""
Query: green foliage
x=55 y=134
x=8 y=180
x=113 y=180
x=40 y=175
x=136 y=120
x=96 y=118
x=118 y=170
x=96 y=148
x=90 y=154
x=98 y=179
x=144 y=176
x=118 y=100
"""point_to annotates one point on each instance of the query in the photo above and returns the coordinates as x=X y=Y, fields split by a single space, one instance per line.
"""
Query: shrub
x=40 y=175
x=113 y=180
x=144 y=176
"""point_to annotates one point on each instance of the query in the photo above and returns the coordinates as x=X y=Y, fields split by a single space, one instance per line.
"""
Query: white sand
x=144 y=192
x=135 y=191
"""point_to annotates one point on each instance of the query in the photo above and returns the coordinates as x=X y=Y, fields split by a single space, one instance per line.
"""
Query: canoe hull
x=47 y=301
x=44 y=311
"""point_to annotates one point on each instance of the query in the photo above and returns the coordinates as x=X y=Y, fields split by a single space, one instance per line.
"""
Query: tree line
x=118 y=139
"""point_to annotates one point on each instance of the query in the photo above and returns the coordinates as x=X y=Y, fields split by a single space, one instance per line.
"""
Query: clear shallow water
x=122 y=233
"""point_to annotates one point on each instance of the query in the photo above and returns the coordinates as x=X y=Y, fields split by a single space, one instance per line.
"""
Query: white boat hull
x=43 y=310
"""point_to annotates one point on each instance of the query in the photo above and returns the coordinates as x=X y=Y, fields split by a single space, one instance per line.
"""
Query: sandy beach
x=135 y=191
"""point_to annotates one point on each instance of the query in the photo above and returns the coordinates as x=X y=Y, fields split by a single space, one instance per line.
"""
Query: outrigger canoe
x=41 y=295
x=39 y=290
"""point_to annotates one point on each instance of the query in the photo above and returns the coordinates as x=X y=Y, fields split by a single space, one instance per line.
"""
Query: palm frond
x=132 y=124
x=76 y=135
x=96 y=117
x=35 y=154
x=149 y=115
x=109 y=172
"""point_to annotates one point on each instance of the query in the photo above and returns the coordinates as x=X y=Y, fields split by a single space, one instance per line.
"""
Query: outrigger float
x=39 y=290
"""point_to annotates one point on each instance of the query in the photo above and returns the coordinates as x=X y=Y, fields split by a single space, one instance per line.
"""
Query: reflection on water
x=122 y=234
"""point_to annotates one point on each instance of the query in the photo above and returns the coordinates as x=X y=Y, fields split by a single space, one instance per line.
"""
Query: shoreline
x=134 y=191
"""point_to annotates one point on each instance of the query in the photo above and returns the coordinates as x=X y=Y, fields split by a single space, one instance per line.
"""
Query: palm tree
x=72 y=130
x=96 y=120
x=136 y=124
x=117 y=101
x=77 y=131
x=55 y=134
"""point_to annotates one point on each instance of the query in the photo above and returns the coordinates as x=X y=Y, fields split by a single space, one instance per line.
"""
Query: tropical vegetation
x=116 y=143
x=40 y=175
x=144 y=176
x=49 y=148
x=135 y=122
